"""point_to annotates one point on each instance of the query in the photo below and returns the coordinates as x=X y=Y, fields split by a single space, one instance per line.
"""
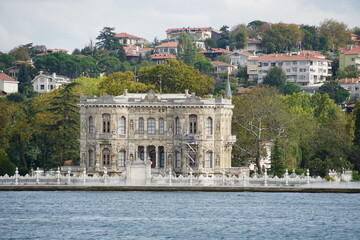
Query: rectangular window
x=151 y=126
x=273 y=64
x=294 y=62
x=122 y=158
x=177 y=126
x=288 y=70
x=178 y=160
x=161 y=126
x=141 y=126
x=42 y=87
x=208 y=160
x=266 y=64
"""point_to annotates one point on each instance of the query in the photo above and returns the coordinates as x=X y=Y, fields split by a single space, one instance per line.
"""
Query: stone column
x=157 y=157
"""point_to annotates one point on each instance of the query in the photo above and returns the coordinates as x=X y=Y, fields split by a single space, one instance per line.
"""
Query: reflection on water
x=178 y=215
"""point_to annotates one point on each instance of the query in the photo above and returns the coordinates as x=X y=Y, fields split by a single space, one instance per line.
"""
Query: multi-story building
x=349 y=56
x=303 y=68
x=168 y=47
x=47 y=83
x=240 y=58
x=179 y=131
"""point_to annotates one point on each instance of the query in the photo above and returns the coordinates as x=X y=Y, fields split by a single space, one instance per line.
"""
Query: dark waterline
x=178 y=215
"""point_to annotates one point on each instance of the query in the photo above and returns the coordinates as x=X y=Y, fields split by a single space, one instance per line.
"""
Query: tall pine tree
x=277 y=160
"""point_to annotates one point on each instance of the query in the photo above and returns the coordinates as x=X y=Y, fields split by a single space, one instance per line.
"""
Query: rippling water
x=178 y=215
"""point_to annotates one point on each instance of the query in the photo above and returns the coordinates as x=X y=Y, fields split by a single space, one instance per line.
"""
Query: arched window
x=161 y=126
x=192 y=124
x=106 y=122
x=178 y=159
x=106 y=157
x=177 y=126
x=122 y=125
x=91 y=158
x=91 y=125
x=208 y=159
x=209 y=126
x=141 y=126
x=122 y=155
x=151 y=126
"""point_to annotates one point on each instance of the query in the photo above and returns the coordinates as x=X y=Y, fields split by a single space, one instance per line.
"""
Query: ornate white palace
x=179 y=131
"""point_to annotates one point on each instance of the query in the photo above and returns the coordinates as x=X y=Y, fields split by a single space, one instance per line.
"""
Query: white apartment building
x=303 y=68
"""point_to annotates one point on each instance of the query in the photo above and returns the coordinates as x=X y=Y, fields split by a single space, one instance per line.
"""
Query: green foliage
x=277 y=160
x=356 y=113
x=220 y=89
x=20 y=53
x=186 y=50
x=258 y=117
x=336 y=34
x=204 y=66
x=335 y=91
x=176 y=77
x=115 y=84
x=356 y=176
x=224 y=40
x=68 y=65
x=281 y=37
x=65 y=123
x=6 y=61
x=347 y=72
x=89 y=86
x=275 y=78
x=110 y=65
x=239 y=36
x=6 y=166
x=24 y=79
x=291 y=88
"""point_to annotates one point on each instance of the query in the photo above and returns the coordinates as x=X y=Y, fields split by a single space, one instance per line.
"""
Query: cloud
x=70 y=24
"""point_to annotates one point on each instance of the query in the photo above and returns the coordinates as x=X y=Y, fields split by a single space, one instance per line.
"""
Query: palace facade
x=179 y=131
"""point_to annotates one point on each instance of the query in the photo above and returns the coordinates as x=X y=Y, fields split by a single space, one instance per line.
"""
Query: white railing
x=168 y=178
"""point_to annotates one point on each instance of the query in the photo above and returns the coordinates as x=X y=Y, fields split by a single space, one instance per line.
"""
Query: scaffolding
x=190 y=149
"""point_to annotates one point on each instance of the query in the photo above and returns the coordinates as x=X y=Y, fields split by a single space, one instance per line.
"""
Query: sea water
x=178 y=215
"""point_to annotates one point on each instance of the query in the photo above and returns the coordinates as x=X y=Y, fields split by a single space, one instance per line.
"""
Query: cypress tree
x=357 y=124
x=277 y=160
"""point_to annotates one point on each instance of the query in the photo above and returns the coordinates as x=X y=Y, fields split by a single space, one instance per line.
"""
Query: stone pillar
x=157 y=157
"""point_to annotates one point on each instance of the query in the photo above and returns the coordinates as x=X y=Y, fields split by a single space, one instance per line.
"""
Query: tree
x=336 y=33
x=106 y=39
x=115 y=84
x=254 y=25
x=204 y=66
x=239 y=36
x=280 y=37
x=275 y=78
x=356 y=139
x=277 y=160
x=259 y=117
x=6 y=166
x=6 y=61
x=66 y=123
x=220 y=89
x=311 y=38
x=20 y=53
x=335 y=91
x=186 y=50
x=24 y=80
x=347 y=72
x=291 y=88
x=174 y=77
x=110 y=65
x=224 y=40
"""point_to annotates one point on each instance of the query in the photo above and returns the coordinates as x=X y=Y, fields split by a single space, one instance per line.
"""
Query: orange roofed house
x=302 y=68
x=125 y=38
x=7 y=84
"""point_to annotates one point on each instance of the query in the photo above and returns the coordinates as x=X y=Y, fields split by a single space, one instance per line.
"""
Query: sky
x=70 y=24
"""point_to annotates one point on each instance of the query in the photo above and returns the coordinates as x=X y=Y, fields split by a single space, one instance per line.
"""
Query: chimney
x=186 y=92
x=54 y=75
x=125 y=91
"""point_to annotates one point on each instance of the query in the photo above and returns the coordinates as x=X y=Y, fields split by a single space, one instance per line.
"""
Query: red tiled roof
x=131 y=54
x=351 y=50
x=254 y=41
x=349 y=80
x=188 y=29
x=126 y=35
x=163 y=56
x=168 y=44
x=216 y=50
x=5 y=77
x=218 y=64
x=288 y=57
